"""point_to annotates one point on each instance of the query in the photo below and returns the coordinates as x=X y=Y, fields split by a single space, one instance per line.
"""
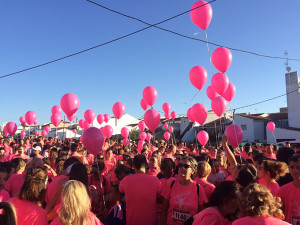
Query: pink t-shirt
x=4 y=195
x=93 y=220
x=261 y=220
x=14 y=183
x=208 y=187
x=51 y=189
x=29 y=213
x=8 y=150
x=274 y=187
x=209 y=216
x=153 y=172
x=15 y=156
x=183 y=201
x=290 y=198
x=141 y=191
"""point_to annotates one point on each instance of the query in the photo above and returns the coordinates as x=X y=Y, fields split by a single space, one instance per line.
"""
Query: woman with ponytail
x=28 y=203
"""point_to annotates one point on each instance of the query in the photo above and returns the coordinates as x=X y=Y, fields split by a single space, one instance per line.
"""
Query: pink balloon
x=69 y=104
x=11 y=128
x=5 y=129
x=201 y=16
x=92 y=139
x=35 y=122
x=150 y=95
x=89 y=116
x=198 y=76
x=271 y=126
x=5 y=134
x=80 y=123
x=30 y=117
x=171 y=129
x=55 y=119
x=144 y=105
x=36 y=133
x=199 y=113
x=221 y=59
x=47 y=129
x=230 y=92
x=148 y=137
x=220 y=82
x=166 y=126
x=202 y=137
x=125 y=132
x=234 y=135
x=80 y=138
x=118 y=110
x=100 y=119
x=190 y=116
x=43 y=133
x=125 y=141
x=56 y=109
x=143 y=136
x=22 y=120
x=23 y=134
x=72 y=117
x=85 y=125
x=218 y=105
x=142 y=125
x=166 y=107
x=108 y=131
x=173 y=115
x=167 y=135
x=152 y=119
x=168 y=116
x=211 y=93
x=106 y=118
x=140 y=145
x=74 y=131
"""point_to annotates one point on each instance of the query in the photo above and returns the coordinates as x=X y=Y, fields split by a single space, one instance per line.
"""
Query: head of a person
x=162 y=149
x=287 y=144
x=186 y=168
x=257 y=201
x=245 y=174
x=8 y=215
x=35 y=162
x=269 y=148
x=220 y=157
x=247 y=148
x=36 y=150
x=203 y=169
x=98 y=168
x=34 y=186
x=3 y=176
x=75 y=204
x=228 y=203
x=272 y=169
x=99 y=157
x=167 y=167
x=215 y=166
x=122 y=171
x=154 y=161
x=2 y=151
x=284 y=153
x=69 y=162
x=145 y=152
x=79 y=172
x=139 y=162
x=294 y=167
x=172 y=149
x=74 y=147
x=109 y=154
x=178 y=155
x=19 y=165
x=20 y=150
x=115 y=195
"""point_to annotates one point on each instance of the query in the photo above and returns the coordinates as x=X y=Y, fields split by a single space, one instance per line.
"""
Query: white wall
x=281 y=133
x=259 y=130
x=293 y=99
x=249 y=132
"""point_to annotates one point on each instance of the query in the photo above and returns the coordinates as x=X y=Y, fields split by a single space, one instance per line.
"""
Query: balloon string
x=207 y=45
x=198 y=91
x=274 y=137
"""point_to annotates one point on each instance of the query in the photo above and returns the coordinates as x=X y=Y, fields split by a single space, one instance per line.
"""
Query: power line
x=188 y=37
x=100 y=45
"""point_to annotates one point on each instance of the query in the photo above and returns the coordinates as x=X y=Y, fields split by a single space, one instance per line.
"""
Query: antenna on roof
x=287 y=67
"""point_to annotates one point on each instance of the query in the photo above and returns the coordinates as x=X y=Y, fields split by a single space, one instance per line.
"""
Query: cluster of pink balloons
x=125 y=134
x=197 y=113
x=56 y=115
x=30 y=118
x=149 y=97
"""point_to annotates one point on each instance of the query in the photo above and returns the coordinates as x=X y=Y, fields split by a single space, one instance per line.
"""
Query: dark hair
x=202 y=157
x=70 y=161
x=74 y=147
x=167 y=166
x=294 y=158
x=34 y=186
x=18 y=163
x=284 y=153
x=53 y=155
x=8 y=217
x=122 y=168
x=79 y=172
x=139 y=162
x=247 y=174
x=99 y=165
x=218 y=198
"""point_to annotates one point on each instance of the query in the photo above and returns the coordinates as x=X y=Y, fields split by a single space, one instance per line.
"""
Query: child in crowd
x=4 y=195
x=203 y=171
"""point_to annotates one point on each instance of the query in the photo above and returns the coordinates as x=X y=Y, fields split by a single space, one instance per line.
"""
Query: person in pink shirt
x=141 y=193
x=20 y=153
x=7 y=148
x=75 y=207
x=270 y=171
x=221 y=208
x=269 y=151
x=4 y=195
x=37 y=152
x=182 y=198
x=154 y=166
x=258 y=207
x=27 y=145
x=2 y=155
x=203 y=171
x=290 y=193
x=28 y=203
x=110 y=162
x=171 y=151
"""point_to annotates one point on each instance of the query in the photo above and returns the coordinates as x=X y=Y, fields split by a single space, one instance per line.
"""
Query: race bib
x=295 y=220
x=180 y=215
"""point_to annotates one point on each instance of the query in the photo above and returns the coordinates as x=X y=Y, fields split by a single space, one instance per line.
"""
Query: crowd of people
x=50 y=181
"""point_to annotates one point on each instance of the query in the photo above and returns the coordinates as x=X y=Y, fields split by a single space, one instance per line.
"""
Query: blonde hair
x=257 y=201
x=203 y=169
x=75 y=204
x=277 y=169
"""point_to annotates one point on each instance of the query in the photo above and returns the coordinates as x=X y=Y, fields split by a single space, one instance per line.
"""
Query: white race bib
x=180 y=215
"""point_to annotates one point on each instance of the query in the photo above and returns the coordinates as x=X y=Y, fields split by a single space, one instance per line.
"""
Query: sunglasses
x=101 y=158
x=185 y=166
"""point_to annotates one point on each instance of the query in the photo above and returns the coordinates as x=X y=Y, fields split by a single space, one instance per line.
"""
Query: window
x=244 y=127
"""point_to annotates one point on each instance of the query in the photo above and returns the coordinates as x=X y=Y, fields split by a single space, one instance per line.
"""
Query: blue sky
x=33 y=32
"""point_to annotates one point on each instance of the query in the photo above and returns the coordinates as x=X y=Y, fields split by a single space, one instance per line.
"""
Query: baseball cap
x=37 y=148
